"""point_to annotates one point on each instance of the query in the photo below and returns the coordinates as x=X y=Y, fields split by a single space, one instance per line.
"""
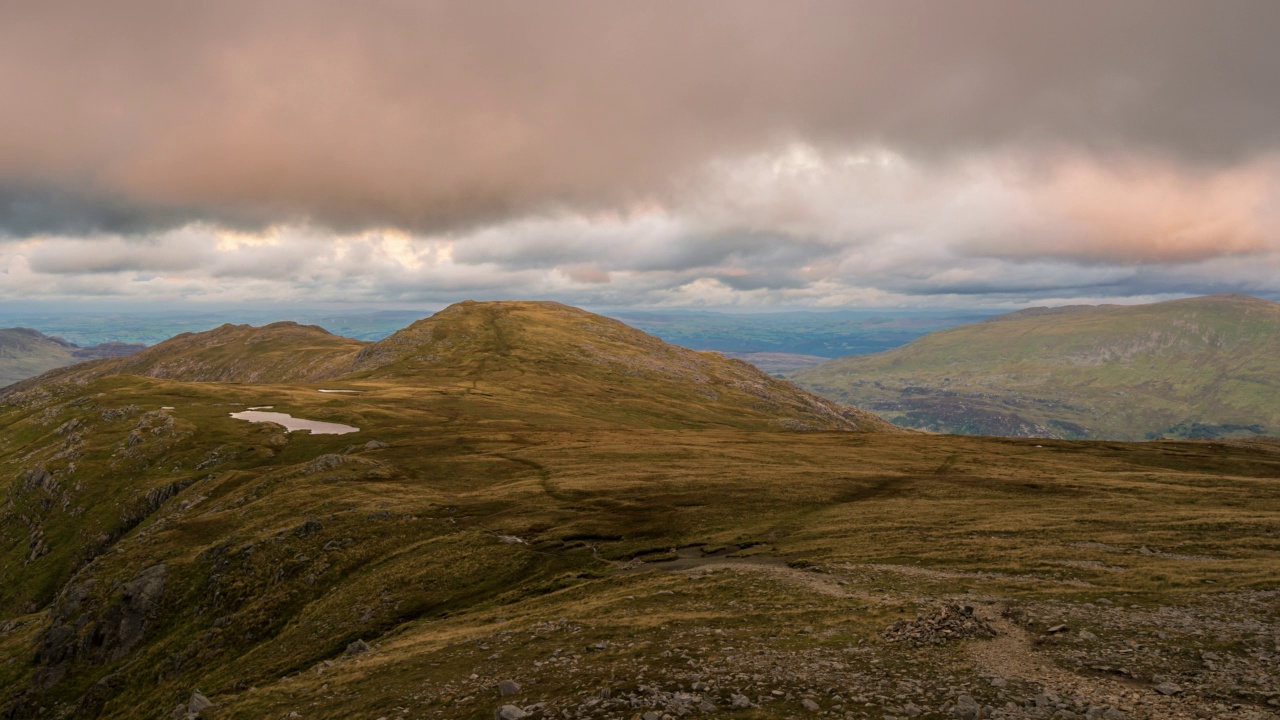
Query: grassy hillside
x=1201 y=367
x=555 y=360
x=539 y=495
x=279 y=352
x=25 y=353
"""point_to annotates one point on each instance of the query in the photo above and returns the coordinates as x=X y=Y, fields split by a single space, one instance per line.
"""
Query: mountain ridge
x=543 y=356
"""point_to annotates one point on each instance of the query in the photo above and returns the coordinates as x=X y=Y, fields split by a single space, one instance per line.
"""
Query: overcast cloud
x=662 y=153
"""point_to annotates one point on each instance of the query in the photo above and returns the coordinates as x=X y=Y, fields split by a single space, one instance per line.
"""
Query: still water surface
x=293 y=424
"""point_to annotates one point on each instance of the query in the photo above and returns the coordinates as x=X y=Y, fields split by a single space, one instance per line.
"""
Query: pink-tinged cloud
x=1134 y=211
x=429 y=115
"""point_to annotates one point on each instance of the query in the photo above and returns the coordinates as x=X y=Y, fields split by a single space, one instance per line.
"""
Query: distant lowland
x=1197 y=368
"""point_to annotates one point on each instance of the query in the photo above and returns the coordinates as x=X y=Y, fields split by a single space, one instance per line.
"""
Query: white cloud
x=799 y=227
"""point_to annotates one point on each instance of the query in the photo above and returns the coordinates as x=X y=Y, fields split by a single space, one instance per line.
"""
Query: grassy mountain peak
x=1199 y=367
x=550 y=356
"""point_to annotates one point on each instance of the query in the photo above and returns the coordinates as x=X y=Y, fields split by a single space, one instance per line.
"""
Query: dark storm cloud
x=429 y=115
x=29 y=210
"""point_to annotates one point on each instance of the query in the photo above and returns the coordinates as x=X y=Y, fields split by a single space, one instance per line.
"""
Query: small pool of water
x=293 y=424
x=352 y=392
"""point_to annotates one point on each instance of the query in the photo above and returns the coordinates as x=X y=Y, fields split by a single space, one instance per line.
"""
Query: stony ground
x=764 y=640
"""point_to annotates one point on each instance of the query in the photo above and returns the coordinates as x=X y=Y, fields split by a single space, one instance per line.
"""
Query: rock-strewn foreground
x=548 y=515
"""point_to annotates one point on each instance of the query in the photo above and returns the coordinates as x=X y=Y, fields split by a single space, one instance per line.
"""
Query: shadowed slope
x=1200 y=367
x=25 y=353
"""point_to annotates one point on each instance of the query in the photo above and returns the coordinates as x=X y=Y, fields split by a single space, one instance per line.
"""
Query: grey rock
x=967 y=708
x=739 y=701
x=651 y=715
x=375 y=445
x=116 y=630
x=198 y=703
x=507 y=688
x=810 y=705
x=1168 y=688
x=509 y=712
x=140 y=601
x=359 y=647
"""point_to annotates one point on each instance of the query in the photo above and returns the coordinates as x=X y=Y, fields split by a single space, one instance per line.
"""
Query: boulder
x=507 y=688
x=198 y=703
x=967 y=708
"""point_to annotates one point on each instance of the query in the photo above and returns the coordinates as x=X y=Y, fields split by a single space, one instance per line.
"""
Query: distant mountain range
x=1206 y=367
x=25 y=352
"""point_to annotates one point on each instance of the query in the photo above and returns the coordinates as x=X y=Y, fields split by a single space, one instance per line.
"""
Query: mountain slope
x=536 y=495
x=1200 y=367
x=279 y=352
x=552 y=357
x=25 y=353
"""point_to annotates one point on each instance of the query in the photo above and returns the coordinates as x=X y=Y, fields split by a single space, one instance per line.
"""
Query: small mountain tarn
x=293 y=424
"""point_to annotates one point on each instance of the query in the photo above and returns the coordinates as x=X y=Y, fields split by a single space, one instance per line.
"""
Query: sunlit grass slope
x=1201 y=367
x=279 y=352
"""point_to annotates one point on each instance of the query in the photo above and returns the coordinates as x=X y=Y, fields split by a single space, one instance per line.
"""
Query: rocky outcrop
x=81 y=633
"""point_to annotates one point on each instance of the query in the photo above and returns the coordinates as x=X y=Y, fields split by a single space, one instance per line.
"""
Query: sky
x=736 y=154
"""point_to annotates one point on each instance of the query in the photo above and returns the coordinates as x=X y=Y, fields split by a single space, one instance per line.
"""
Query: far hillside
x=1206 y=367
x=26 y=353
